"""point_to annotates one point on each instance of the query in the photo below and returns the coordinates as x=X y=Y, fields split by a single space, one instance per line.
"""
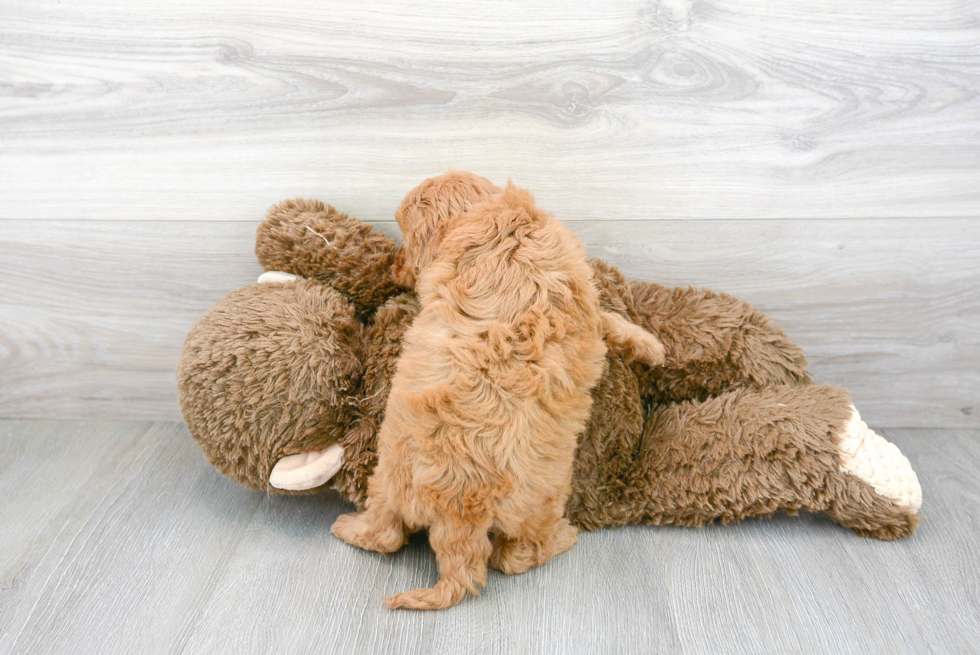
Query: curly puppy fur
x=490 y=393
x=424 y=216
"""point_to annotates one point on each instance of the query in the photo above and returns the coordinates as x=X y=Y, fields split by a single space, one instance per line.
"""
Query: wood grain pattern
x=619 y=110
x=93 y=313
x=140 y=144
x=141 y=546
x=120 y=559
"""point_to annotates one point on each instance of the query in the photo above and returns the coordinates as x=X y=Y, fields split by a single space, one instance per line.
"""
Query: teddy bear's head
x=275 y=368
x=271 y=370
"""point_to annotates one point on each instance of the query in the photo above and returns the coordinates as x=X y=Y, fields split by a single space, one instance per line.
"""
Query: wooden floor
x=119 y=537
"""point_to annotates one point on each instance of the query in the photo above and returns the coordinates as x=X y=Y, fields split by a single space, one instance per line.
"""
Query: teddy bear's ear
x=313 y=240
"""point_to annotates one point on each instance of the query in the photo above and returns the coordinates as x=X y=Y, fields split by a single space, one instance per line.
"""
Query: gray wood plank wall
x=819 y=159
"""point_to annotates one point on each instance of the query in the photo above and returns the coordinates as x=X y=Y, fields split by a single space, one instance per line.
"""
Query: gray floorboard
x=119 y=537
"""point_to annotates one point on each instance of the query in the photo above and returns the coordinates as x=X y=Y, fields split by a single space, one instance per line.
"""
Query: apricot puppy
x=491 y=391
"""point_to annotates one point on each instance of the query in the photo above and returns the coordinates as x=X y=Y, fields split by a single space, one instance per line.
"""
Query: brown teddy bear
x=284 y=383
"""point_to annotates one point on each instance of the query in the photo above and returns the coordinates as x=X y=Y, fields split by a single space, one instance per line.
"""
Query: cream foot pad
x=868 y=456
x=306 y=470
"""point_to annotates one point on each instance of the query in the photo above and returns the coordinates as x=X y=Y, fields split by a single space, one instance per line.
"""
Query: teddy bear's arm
x=313 y=240
x=714 y=343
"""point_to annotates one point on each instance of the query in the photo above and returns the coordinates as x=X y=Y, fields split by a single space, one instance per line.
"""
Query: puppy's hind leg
x=539 y=538
x=461 y=552
x=377 y=528
x=380 y=526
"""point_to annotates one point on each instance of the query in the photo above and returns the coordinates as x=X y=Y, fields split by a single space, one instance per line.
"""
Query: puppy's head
x=425 y=213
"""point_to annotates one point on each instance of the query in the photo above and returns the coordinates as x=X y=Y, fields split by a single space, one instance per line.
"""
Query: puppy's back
x=498 y=367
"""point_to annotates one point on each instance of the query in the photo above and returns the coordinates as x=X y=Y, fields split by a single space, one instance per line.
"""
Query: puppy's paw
x=516 y=556
x=359 y=530
x=350 y=528
x=650 y=350
x=623 y=337
x=510 y=557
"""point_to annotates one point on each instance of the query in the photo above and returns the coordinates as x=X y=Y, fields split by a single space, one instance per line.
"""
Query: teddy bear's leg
x=461 y=551
x=754 y=452
x=714 y=343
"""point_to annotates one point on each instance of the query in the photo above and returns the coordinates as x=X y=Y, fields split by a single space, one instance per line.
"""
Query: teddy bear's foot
x=307 y=470
x=365 y=530
x=879 y=463
x=876 y=492
x=276 y=277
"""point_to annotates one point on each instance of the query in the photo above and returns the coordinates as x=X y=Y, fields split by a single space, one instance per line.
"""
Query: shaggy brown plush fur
x=714 y=343
x=314 y=240
x=270 y=371
x=275 y=370
x=743 y=453
x=384 y=345
x=489 y=396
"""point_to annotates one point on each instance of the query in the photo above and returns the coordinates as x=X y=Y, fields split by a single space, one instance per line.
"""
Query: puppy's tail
x=462 y=551
x=625 y=338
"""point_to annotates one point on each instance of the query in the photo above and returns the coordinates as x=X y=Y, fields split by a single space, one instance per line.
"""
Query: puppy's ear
x=430 y=249
x=402 y=272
